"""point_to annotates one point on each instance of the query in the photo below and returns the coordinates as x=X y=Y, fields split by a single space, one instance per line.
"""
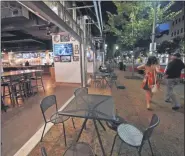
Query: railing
x=62 y=12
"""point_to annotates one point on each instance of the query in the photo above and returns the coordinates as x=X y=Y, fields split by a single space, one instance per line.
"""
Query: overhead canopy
x=41 y=9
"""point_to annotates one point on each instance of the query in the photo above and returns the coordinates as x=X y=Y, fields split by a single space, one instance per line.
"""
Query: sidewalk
x=179 y=89
x=167 y=138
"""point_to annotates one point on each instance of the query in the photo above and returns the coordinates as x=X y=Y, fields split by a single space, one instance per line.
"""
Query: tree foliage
x=134 y=20
x=170 y=46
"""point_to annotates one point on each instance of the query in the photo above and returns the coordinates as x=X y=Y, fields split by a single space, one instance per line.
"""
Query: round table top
x=19 y=72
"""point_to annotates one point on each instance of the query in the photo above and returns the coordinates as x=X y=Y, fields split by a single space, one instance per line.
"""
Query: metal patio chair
x=77 y=149
x=46 y=103
x=43 y=151
x=134 y=137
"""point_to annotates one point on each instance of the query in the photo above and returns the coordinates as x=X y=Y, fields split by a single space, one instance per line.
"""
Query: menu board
x=42 y=55
x=34 y=55
x=26 y=55
x=19 y=55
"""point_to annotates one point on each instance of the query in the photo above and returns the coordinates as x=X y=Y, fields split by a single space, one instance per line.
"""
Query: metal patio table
x=94 y=107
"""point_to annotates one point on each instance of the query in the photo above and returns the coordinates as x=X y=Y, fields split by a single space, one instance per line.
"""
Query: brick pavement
x=167 y=138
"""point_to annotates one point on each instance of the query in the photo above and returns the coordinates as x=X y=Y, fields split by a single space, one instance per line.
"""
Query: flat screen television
x=65 y=49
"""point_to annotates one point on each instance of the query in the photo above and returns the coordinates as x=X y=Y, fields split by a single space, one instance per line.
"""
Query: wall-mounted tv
x=65 y=49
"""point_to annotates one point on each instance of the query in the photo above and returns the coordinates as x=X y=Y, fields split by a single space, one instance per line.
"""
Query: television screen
x=63 y=49
x=19 y=55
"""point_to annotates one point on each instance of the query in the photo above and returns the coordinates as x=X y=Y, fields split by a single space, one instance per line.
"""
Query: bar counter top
x=45 y=68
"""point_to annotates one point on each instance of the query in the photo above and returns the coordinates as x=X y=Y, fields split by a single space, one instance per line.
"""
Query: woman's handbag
x=154 y=87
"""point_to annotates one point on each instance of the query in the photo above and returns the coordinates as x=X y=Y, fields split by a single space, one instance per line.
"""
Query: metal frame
x=45 y=120
x=146 y=136
x=82 y=7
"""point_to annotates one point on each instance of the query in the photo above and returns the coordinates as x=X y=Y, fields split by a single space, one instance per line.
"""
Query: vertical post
x=153 y=29
x=74 y=11
x=81 y=63
x=94 y=61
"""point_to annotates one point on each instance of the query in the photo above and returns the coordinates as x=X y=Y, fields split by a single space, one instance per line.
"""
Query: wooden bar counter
x=52 y=73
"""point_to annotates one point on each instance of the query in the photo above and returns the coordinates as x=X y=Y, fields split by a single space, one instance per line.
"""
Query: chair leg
x=43 y=132
x=64 y=134
x=73 y=123
x=20 y=92
x=37 y=85
x=102 y=125
x=139 y=153
x=3 y=91
x=10 y=94
x=42 y=84
x=119 y=152
x=150 y=147
x=113 y=144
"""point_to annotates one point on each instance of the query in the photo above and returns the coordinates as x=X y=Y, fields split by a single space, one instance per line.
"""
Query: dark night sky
x=109 y=6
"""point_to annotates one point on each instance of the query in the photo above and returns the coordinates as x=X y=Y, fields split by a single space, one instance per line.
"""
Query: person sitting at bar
x=27 y=63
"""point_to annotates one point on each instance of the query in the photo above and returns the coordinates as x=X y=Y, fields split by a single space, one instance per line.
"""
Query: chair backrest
x=154 y=122
x=15 y=78
x=43 y=151
x=81 y=91
x=28 y=75
x=38 y=73
x=47 y=102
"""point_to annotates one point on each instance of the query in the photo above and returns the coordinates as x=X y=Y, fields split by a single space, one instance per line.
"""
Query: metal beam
x=82 y=7
x=41 y=9
x=97 y=16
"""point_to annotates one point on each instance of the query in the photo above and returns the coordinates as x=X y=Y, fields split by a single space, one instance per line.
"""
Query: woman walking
x=151 y=69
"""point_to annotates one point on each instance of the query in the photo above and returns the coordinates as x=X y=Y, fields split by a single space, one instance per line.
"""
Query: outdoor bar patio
x=66 y=91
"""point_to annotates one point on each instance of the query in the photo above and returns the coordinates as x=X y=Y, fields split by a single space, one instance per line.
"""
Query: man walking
x=172 y=74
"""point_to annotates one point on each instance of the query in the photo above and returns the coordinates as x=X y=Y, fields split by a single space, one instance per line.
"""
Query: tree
x=171 y=46
x=182 y=46
x=134 y=21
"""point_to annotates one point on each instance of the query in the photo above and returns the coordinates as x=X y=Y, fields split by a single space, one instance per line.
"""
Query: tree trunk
x=132 y=66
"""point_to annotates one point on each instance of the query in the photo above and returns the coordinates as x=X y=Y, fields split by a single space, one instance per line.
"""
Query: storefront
x=37 y=60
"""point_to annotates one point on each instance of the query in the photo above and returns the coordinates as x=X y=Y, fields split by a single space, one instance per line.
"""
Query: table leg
x=98 y=134
x=83 y=126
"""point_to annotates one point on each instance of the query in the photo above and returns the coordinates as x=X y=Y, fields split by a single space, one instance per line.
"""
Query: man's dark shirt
x=174 y=69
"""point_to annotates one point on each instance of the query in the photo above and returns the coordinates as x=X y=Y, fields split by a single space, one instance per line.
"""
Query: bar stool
x=38 y=76
x=16 y=83
x=5 y=84
x=27 y=85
